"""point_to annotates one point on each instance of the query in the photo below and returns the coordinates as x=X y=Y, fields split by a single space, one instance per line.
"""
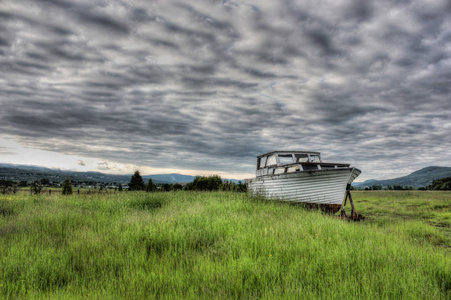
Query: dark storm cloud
x=211 y=84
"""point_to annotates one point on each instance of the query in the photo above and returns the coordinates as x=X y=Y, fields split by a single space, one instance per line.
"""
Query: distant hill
x=173 y=178
x=32 y=173
x=169 y=178
x=420 y=178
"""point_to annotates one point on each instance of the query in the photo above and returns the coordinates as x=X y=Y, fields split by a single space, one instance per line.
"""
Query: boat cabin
x=280 y=162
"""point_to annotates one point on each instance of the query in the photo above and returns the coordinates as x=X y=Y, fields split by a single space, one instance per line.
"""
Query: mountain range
x=420 y=178
x=31 y=173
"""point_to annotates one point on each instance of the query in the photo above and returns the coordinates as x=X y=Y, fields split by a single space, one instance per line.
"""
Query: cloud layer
x=211 y=84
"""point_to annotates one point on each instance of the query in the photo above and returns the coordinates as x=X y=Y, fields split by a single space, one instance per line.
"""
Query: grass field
x=223 y=245
x=426 y=215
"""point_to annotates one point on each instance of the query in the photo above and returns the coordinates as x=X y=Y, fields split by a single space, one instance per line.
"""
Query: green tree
x=36 y=187
x=441 y=184
x=151 y=187
x=120 y=188
x=177 y=187
x=397 y=187
x=214 y=183
x=377 y=187
x=166 y=187
x=45 y=181
x=136 y=182
x=200 y=183
x=23 y=183
x=67 y=187
x=5 y=186
x=242 y=187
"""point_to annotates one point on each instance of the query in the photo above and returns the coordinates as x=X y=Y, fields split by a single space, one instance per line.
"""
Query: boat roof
x=288 y=152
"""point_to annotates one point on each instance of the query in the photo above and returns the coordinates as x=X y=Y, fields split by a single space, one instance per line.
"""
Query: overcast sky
x=201 y=87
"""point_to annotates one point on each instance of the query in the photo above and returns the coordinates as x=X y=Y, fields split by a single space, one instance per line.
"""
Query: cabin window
x=314 y=158
x=310 y=167
x=293 y=169
x=262 y=162
x=279 y=170
x=271 y=160
x=286 y=159
x=300 y=158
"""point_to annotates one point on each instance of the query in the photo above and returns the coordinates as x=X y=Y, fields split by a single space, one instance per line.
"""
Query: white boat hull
x=325 y=188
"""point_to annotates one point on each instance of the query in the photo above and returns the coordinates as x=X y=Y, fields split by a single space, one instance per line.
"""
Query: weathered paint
x=320 y=187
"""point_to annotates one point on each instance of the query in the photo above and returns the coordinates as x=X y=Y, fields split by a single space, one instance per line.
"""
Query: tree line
x=395 y=187
x=443 y=184
x=200 y=183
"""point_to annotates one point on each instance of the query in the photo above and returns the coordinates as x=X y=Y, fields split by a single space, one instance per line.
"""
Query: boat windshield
x=301 y=158
x=285 y=159
x=314 y=158
x=262 y=162
x=271 y=160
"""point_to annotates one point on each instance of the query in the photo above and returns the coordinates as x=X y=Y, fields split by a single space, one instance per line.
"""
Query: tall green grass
x=210 y=245
x=421 y=215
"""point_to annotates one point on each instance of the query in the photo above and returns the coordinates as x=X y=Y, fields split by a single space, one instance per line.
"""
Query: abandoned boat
x=302 y=176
